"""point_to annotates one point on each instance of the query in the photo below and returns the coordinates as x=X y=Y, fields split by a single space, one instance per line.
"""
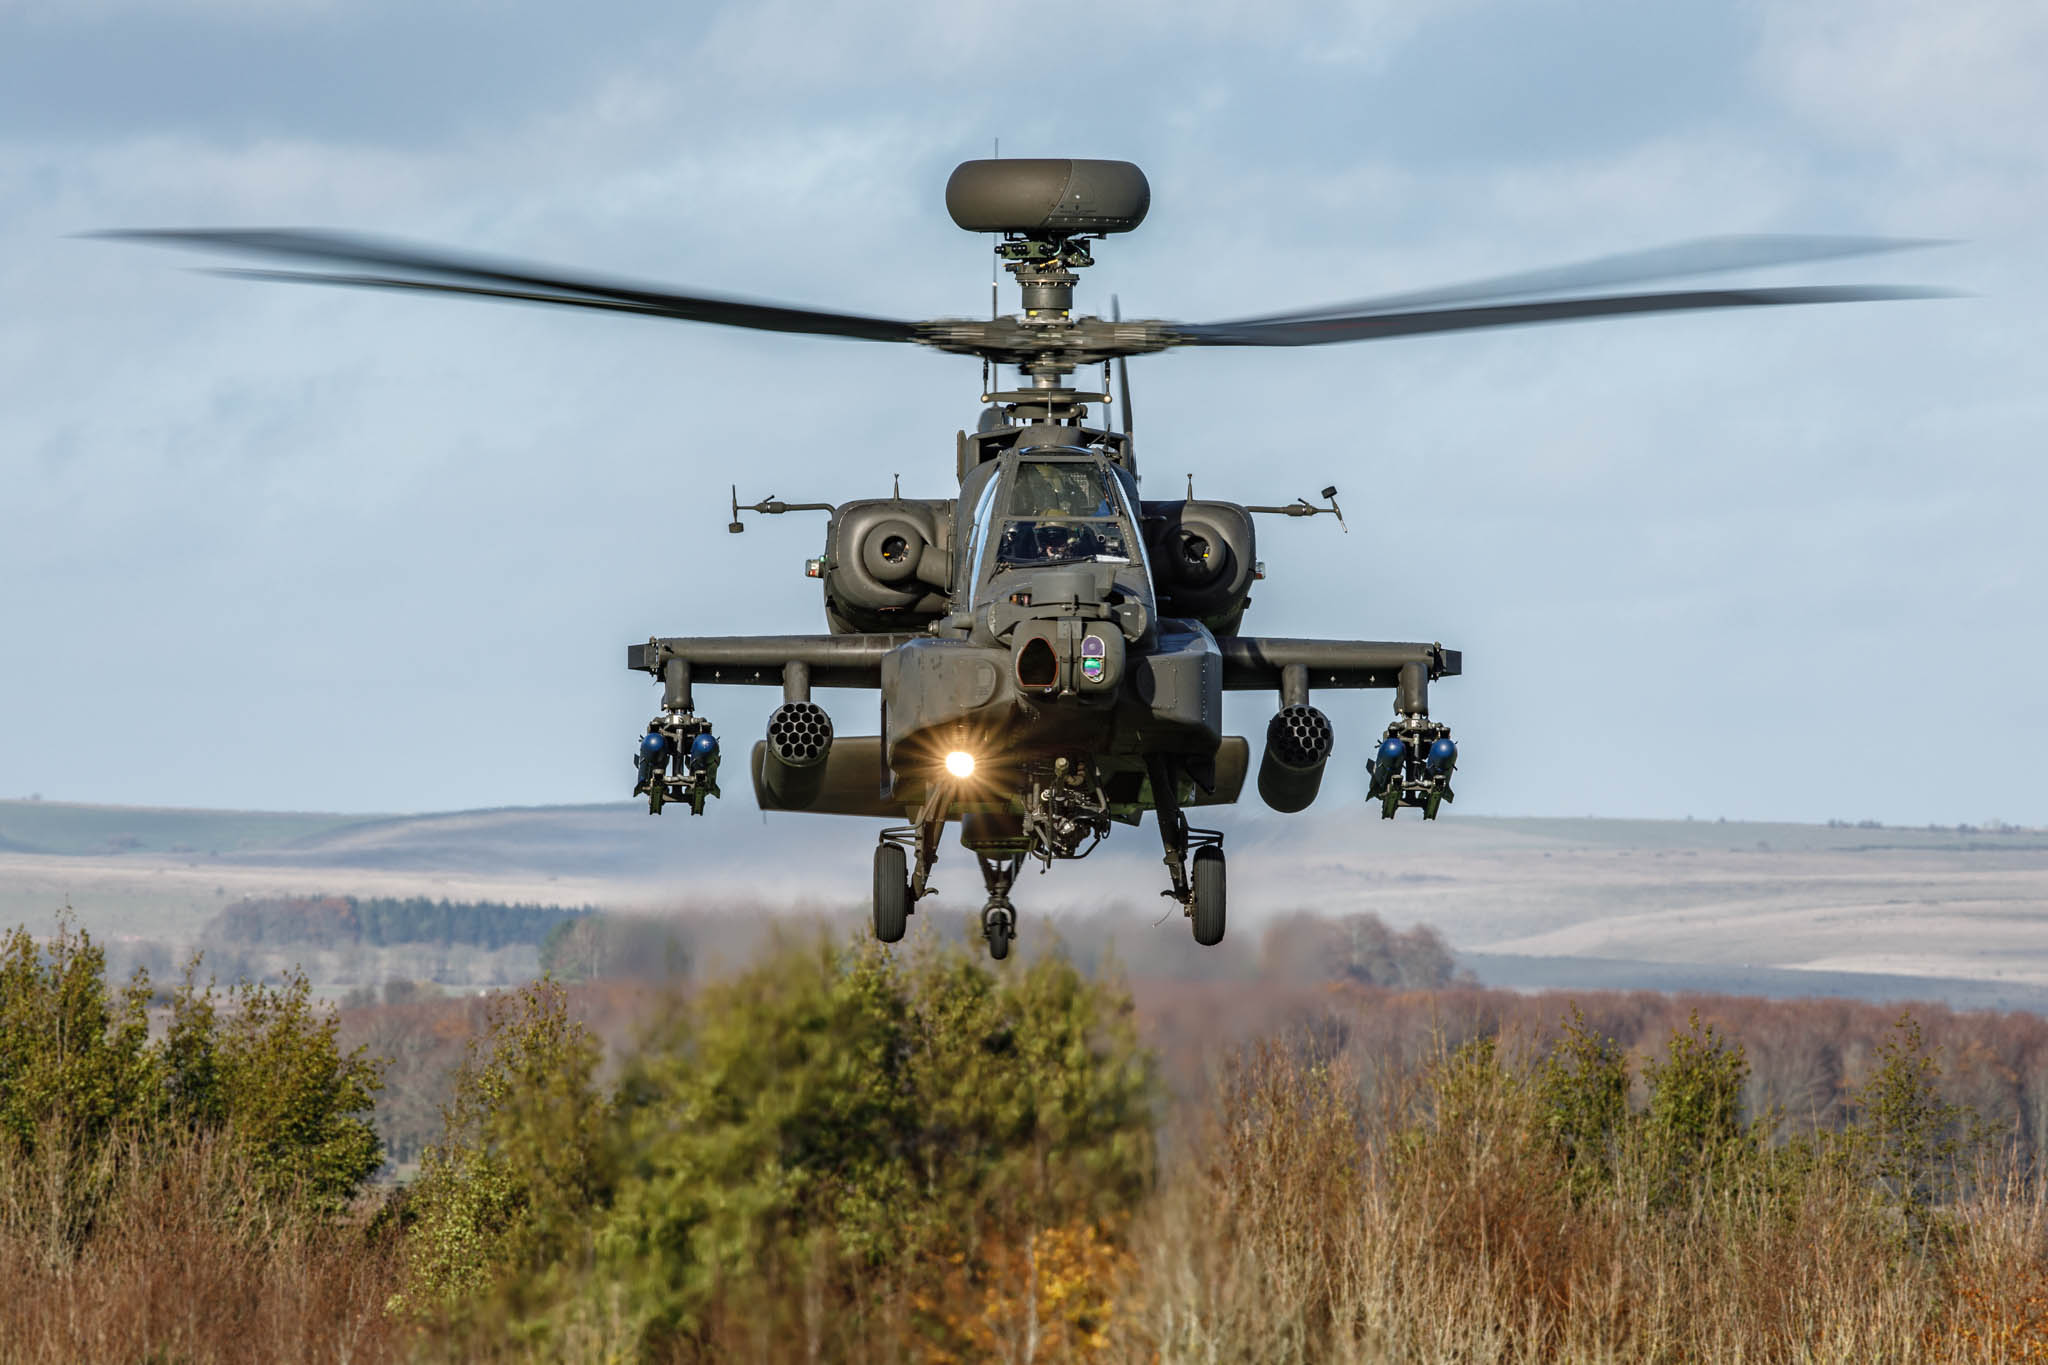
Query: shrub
x=1910 y=1142
x=75 y=1064
x=522 y=1159
x=1583 y=1086
x=273 y=1076
x=792 y=1153
x=1693 y=1129
x=83 y=1088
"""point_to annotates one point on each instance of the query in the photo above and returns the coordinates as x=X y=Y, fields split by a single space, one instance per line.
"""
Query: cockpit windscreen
x=1062 y=512
x=1044 y=489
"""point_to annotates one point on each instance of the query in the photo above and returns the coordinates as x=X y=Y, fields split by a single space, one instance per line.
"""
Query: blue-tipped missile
x=1386 y=764
x=651 y=760
x=703 y=748
x=1443 y=756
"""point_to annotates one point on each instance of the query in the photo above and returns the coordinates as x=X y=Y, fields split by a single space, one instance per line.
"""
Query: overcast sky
x=276 y=547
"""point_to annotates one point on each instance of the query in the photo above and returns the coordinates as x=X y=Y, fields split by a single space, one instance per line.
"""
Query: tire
x=999 y=941
x=1209 y=896
x=892 y=891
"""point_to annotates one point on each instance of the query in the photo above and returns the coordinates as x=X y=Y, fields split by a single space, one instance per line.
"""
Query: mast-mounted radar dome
x=1049 y=196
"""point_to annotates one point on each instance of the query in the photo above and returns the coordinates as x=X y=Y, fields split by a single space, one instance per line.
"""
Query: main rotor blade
x=453 y=273
x=1374 y=326
x=1704 y=256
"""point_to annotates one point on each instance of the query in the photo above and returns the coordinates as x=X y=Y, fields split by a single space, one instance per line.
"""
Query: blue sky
x=274 y=547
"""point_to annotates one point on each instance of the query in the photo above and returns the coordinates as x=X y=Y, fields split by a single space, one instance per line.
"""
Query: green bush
x=270 y=1073
x=1910 y=1143
x=1694 y=1129
x=1583 y=1087
x=785 y=1144
x=523 y=1159
x=75 y=1061
x=82 y=1088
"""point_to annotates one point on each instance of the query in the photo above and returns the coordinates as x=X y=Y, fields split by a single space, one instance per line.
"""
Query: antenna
x=995 y=266
x=995 y=276
x=1123 y=376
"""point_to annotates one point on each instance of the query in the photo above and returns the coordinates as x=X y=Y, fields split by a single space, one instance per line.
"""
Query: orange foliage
x=1052 y=1295
x=1997 y=1316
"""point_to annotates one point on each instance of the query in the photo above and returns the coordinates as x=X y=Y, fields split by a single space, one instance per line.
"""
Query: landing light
x=960 y=763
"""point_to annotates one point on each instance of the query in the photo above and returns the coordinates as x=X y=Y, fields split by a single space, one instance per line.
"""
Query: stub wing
x=1250 y=662
x=1253 y=662
x=830 y=660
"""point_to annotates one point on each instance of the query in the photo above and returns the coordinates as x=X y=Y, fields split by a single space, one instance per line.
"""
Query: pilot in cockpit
x=1059 y=512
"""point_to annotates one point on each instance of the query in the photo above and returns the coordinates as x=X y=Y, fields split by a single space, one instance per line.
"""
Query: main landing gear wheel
x=1209 y=896
x=892 y=891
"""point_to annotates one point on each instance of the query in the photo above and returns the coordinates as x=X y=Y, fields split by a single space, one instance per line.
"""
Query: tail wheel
x=1209 y=896
x=998 y=926
x=892 y=891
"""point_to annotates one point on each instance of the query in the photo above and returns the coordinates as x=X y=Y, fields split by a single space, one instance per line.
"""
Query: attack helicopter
x=1050 y=647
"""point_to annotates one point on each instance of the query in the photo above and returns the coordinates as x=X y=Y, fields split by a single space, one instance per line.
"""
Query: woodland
x=827 y=1150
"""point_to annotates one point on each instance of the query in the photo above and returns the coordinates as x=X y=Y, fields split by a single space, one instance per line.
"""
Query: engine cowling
x=1204 y=555
x=887 y=564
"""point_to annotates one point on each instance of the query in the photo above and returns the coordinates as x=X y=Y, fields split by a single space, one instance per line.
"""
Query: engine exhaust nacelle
x=799 y=742
x=1298 y=744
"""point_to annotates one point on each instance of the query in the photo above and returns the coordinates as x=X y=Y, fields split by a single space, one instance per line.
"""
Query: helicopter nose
x=1064 y=656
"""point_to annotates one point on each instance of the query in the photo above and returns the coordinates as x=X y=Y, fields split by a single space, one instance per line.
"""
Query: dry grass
x=177 y=1258
x=1322 y=1228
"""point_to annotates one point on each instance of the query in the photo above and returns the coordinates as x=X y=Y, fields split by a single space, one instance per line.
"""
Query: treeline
x=1299 y=947
x=841 y=1152
x=342 y=921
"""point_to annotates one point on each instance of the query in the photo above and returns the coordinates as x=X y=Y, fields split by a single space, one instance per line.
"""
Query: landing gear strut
x=999 y=917
x=1202 y=897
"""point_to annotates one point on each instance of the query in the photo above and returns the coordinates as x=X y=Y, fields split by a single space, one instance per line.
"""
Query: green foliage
x=75 y=1064
x=825 y=1119
x=80 y=1078
x=524 y=1156
x=1909 y=1141
x=777 y=1106
x=1583 y=1087
x=287 y=1096
x=1694 y=1126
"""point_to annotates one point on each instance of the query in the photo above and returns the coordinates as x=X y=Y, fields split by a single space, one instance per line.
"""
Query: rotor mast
x=1046 y=212
x=1043 y=264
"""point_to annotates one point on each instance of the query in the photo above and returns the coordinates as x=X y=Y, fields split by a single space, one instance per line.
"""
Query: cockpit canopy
x=1062 y=511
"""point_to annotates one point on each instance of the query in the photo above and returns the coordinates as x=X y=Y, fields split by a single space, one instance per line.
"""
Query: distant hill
x=66 y=830
x=1957 y=914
